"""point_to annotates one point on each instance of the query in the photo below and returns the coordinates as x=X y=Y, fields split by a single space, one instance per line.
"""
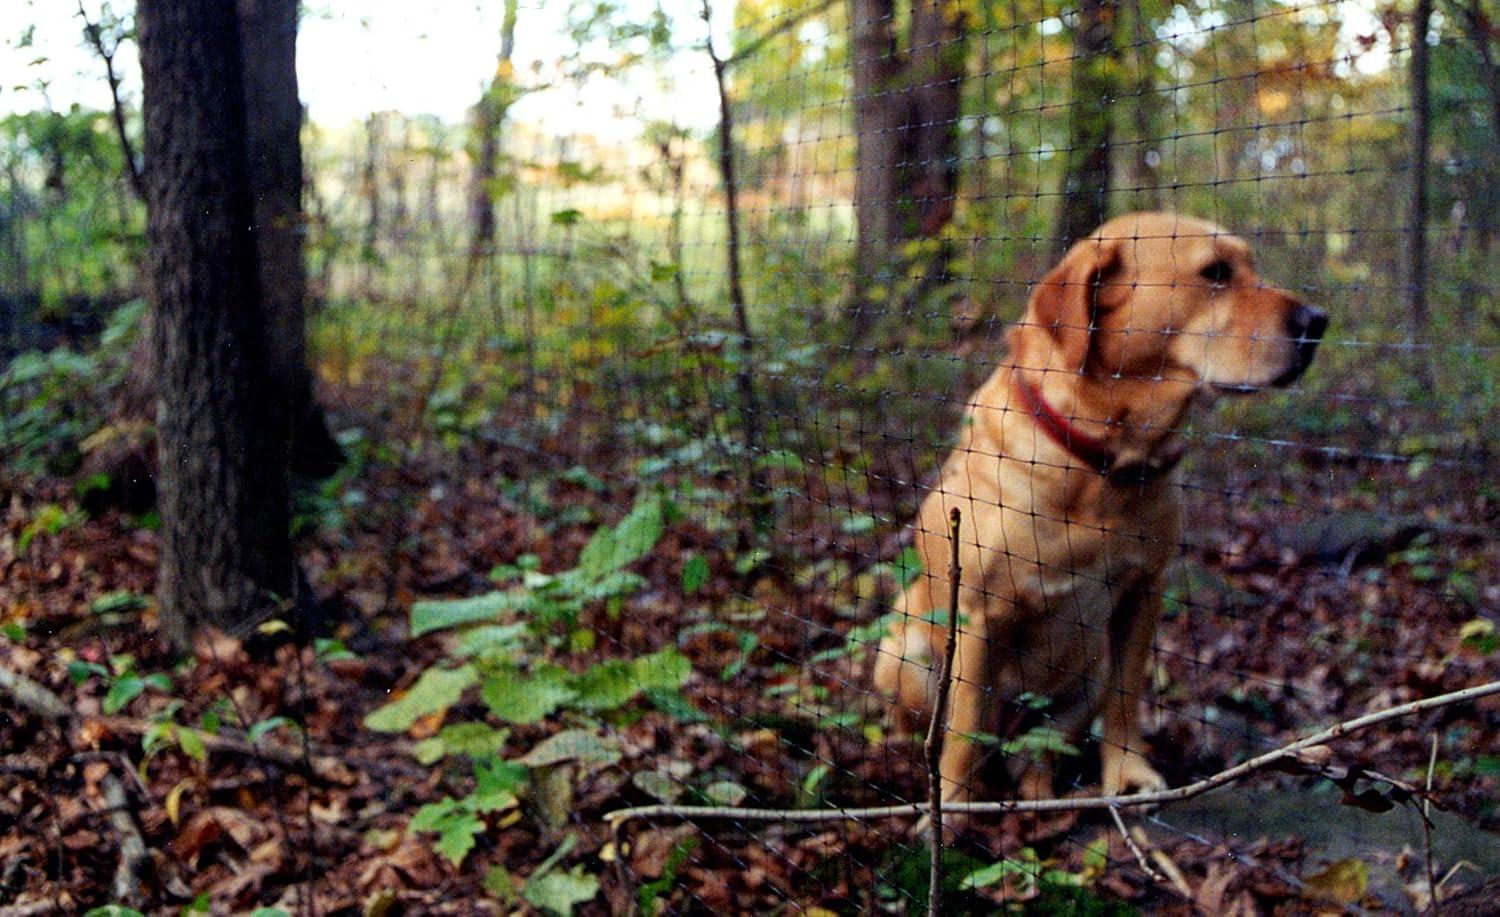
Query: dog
x=1062 y=475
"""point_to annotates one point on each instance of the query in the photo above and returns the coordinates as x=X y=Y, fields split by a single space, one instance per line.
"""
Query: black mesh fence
x=749 y=327
x=779 y=344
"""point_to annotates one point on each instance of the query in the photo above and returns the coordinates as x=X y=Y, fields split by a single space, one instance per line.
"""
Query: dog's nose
x=1307 y=324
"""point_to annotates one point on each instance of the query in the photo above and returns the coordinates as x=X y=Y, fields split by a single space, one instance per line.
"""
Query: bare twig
x=133 y=855
x=1432 y=886
x=787 y=23
x=1198 y=788
x=94 y=33
x=937 y=729
x=33 y=696
x=1135 y=849
x=1169 y=866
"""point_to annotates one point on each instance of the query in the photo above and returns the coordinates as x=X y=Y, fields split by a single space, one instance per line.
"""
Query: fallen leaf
x=1345 y=881
x=648 y=855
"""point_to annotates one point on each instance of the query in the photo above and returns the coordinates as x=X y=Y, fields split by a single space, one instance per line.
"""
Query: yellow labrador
x=1062 y=476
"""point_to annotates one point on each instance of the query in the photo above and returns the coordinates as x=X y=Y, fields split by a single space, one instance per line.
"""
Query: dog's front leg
x=968 y=699
x=1123 y=751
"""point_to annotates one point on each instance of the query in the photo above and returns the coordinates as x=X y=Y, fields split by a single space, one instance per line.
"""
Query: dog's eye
x=1219 y=273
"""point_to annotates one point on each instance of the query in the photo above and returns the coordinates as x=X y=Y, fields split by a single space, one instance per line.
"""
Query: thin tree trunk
x=760 y=495
x=489 y=117
x=370 y=187
x=878 y=119
x=1086 y=174
x=94 y=33
x=938 y=55
x=226 y=555
x=1421 y=109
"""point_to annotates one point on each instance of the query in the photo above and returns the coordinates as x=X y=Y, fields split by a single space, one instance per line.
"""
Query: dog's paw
x=1129 y=773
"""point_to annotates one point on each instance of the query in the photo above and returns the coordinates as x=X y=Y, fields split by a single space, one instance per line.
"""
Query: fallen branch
x=133 y=855
x=1134 y=848
x=1198 y=788
x=33 y=696
x=41 y=701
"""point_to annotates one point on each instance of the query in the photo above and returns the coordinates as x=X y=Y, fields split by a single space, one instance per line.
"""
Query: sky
x=359 y=56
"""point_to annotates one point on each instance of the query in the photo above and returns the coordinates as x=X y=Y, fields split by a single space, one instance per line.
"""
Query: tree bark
x=1086 y=173
x=223 y=478
x=1145 y=112
x=268 y=43
x=370 y=190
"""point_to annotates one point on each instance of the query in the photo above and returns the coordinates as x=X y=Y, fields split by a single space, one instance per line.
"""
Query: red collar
x=1091 y=450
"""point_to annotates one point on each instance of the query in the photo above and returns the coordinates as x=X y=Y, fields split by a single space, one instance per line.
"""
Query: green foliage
x=50 y=519
x=502 y=648
x=125 y=684
x=457 y=822
x=649 y=897
x=1048 y=888
x=50 y=402
x=83 y=232
x=435 y=690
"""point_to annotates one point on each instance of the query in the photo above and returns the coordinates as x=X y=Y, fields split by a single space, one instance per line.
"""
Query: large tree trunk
x=223 y=479
x=268 y=43
x=1086 y=174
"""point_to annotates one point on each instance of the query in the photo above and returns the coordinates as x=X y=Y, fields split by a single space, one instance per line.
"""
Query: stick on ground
x=1197 y=788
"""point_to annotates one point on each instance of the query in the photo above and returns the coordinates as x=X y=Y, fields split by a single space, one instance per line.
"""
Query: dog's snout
x=1307 y=324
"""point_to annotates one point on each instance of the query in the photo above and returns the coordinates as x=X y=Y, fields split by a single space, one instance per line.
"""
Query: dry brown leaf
x=1212 y=890
x=210 y=824
x=649 y=853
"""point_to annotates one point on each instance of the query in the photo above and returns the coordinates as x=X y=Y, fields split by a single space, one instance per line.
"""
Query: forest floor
x=1275 y=626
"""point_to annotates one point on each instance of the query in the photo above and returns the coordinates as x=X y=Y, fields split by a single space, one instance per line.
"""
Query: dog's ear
x=1066 y=303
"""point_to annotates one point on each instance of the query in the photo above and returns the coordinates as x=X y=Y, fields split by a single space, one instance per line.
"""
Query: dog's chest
x=1068 y=601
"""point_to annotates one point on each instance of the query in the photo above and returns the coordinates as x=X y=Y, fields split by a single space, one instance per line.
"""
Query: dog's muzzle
x=1305 y=326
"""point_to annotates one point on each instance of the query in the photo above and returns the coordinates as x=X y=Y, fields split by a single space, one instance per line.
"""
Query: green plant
x=125 y=683
x=50 y=519
x=650 y=895
x=505 y=650
x=50 y=402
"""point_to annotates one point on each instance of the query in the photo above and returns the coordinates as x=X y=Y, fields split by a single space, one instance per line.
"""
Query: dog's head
x=1157 y=296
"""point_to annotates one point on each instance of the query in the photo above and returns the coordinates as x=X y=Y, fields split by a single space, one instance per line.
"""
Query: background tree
x=1095 y=87
x=1421 y=143
x=906 y=110
x=489 y=118
x=224 y=485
